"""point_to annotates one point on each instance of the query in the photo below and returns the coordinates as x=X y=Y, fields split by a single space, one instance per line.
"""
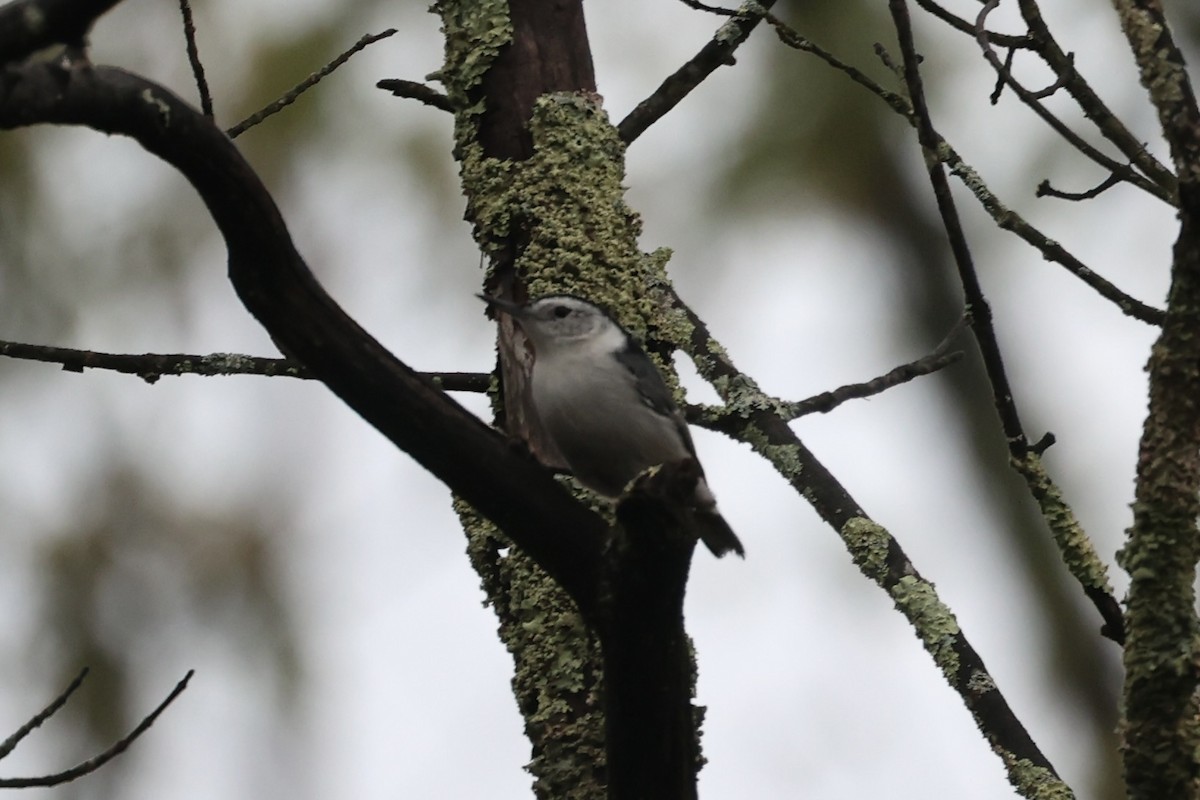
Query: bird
x=605 y=405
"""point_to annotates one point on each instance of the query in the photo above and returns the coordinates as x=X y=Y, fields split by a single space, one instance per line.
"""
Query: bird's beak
x=514 y=310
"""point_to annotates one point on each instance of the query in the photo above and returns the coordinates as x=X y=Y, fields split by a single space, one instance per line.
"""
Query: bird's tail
x=716 y=534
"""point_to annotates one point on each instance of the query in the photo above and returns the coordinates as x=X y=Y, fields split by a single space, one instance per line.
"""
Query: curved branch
x=1065 y=76
x=99 y=760
x=1108 y=123
x=46 y=713
x=277 y=287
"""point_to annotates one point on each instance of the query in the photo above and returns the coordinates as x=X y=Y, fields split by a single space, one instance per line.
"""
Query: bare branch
x=960 y=24
x=193 y=51
x=1065 y=76
x=825 y=402
x=46 y=713
x=99 y=760
x=152 y=366
x=1110 y=126
x=718 y=52
x=726 y=419
x=1044 y=189
x=1005 y=218
x=312 y=80
x=698 y=6
x=415 y=90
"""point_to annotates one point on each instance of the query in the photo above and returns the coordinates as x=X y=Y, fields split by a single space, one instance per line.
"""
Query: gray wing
x=652 y=389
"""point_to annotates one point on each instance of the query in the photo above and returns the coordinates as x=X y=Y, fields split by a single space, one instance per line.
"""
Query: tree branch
x=1108 y=123
x=649 y=720
x=1162 y=660
x=416 y=91
x=46 y=713
x=193 y=52
x=152 y=366
x=940 y=358
x=99 y=760
x=1065 y=76
x=1005 y=217
x=878 y=555
x=726 y=419
x=279 y=290
x=1077 y=550
x=312 y=80
x=718 y=52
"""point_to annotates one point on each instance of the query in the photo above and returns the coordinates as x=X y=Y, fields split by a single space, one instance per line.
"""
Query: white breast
x=591 y=408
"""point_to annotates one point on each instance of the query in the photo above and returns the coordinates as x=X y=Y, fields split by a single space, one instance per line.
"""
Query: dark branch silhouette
x=100 y=759
x=312 y=80
x=46 y=713
x=1004 y=217
x=152 y=366
x=718 y=52
x=415 y=90
x=1044 y=189
x=280 y=291
x=193 y=52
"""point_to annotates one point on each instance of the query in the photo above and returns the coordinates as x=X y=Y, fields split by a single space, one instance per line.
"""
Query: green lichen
x=1076 y=548
x=981 y=682
x=934 y=621
x=784 y=457
x=734 y=31
x=557 y=677
x=474 y=32
x=566 y=202
x=1036 y=783
x=867 y=541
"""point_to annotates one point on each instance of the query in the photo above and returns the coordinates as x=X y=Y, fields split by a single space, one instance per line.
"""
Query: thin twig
x=46 y=713
x=1005 y=217
x=1044 y=189
x=99 y=760
x=965 y=26
x=698 y=6
x=825 y=402
x=416 y=90
x=304 y=85
x=1032 y=99
x=189 y=32
x=716 y=53
x=1094 y=109
x=152 y=366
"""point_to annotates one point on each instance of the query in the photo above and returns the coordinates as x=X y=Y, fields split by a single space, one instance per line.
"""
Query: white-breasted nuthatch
x=606 y=406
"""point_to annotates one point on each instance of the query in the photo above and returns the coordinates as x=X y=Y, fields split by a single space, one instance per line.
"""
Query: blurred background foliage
x=258 y=532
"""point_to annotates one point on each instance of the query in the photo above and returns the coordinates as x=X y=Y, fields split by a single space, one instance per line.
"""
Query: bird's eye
x=561 y=311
